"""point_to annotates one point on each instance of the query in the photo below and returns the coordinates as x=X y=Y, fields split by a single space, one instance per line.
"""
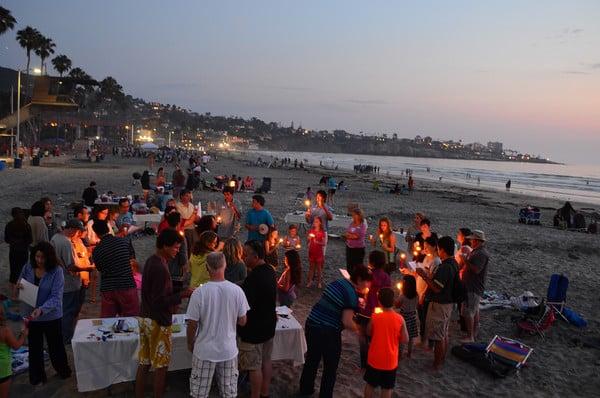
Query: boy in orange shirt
x=387 y=330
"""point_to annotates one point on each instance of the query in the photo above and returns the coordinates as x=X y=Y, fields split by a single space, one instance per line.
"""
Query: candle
x=311 y=235
x=298 y=246
x=370 y=237
x=402 y=256
x=416 y=253
x=377 y=310
x=307 y=203
x=381 y=236
x=280 y=240
x=219 y=219
x=232 y=184
x=399 y=285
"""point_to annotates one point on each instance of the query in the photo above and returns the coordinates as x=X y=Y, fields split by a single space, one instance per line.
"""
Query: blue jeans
x=71 y=307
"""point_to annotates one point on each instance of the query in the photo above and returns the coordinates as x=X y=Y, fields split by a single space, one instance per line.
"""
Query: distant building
x=495 y=147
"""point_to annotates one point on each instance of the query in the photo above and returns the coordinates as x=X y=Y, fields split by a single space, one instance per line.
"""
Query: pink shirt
x=361 y=231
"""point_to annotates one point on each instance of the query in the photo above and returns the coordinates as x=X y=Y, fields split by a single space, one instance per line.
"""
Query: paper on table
x=345 y=273
x=28 y=294
x=283 y=310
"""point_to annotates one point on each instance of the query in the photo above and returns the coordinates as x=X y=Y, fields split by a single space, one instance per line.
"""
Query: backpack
x=459 y=292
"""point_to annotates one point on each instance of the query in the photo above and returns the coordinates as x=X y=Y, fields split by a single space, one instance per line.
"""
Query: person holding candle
x=320 y=210
x=257 y=216
x=386 y=241
x=407 y=305
x=189 y=216
x=316 y=253
x=235 y=271
x=206 y=244
x=417 y=246
x=292 y=240
x=290 y=278
x=229 y=214
x=380 y=279
x=387 y=330
x=271 y=247
x=355 y=240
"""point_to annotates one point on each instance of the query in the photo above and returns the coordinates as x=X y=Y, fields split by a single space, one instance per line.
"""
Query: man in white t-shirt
x=214 y=310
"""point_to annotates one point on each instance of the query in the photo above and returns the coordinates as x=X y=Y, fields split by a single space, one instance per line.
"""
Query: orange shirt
x=385 y=339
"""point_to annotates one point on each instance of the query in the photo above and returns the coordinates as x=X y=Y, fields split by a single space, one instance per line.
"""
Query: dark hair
x=183 y=192
x=377 y=259
x=360 y=272
x=206 y=223
x=409 y=286
x=17 y=212
x=123 y=200
x=292 y=226
x=201 y=245
x=98 y=208
x=228 y=190
x=173 y=219
x=425 y=221
x=92 y=183
x=51 y=261
x=465 y=232
x=432 y=241
x=168 y=237
x=386 y=297
x=259 y=198
x=78 y=210
x=37 y=209
x=257 y=247
x=169 y=209
x=446 y=243
x=100 y=227
x=293 y=259
x=322 y=193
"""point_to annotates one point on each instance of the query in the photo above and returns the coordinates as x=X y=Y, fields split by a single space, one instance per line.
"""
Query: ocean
x=578 y=183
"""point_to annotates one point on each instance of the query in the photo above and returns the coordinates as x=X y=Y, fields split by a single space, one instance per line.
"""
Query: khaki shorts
x=437 y=321
x=470 y=307
x=155 y=343
x=252 y=356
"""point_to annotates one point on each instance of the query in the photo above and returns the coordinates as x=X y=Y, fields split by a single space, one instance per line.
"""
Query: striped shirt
x=338 y=296
x=111 y=257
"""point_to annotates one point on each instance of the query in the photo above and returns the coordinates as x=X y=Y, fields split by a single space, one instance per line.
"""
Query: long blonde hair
x=233 y=251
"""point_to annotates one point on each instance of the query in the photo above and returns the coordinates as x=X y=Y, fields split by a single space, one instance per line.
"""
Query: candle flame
x=399 y=285
x=377 y=310
x=402 y=256
x=415 y=253
x=307 y=203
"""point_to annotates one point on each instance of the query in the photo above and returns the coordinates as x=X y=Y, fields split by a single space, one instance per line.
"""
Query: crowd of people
x=234 y=284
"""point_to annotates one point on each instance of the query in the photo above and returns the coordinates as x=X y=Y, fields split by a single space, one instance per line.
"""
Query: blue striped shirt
x=338 y=296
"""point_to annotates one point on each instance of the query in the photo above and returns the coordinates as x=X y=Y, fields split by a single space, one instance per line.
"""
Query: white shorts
x=202 y=375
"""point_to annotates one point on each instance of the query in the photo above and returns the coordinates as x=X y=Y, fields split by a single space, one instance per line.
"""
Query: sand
x=522 y=258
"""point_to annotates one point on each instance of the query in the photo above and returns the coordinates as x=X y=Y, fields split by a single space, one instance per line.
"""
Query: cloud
x=367 y=101
x=290 y=88
x=575 y=72
x=566 y=33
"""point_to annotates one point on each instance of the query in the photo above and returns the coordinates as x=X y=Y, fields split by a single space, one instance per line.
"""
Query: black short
x=5 y=379
x=386 y=379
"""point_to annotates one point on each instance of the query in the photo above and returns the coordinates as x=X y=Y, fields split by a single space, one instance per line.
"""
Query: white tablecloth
x=339 y=221
x=99 y=364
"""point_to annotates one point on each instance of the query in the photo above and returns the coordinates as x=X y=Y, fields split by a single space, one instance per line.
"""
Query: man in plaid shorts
x=214 y=310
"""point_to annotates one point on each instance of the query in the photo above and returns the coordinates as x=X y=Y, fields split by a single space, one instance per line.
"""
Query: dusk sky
x=523 y=72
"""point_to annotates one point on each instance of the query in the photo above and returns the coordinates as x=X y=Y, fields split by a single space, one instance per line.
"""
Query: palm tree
x=7 y=21
x=79 y=74
x=45 y=48
x=28 y=38
x=61 y=63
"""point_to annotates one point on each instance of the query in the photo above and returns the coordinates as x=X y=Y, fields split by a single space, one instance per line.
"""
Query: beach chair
x=537 y=324
x=299 y=198
x=266 y=185
x=556 y=298
x=509 y=351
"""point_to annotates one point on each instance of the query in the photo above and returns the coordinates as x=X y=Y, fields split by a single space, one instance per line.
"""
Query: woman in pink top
x=355 y=240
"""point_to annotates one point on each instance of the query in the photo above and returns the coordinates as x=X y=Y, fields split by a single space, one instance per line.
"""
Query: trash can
x=35 y=161
x=18 y=162
x=2 y=165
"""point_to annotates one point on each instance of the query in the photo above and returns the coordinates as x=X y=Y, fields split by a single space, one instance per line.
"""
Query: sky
x=526 y=73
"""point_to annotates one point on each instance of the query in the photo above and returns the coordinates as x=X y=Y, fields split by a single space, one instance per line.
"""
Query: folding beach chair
x=556 y=297
x=538 y=324
x=509 y=351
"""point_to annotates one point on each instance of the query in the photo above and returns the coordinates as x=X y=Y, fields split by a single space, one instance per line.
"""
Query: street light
x=36 y=71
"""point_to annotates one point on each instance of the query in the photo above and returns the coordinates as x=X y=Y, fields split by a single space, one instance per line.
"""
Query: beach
x=523 y=257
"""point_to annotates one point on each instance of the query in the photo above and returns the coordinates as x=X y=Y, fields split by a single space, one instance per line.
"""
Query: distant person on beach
x=411 y=183
x=508 y=184
x=90 y=195
x=333 y=313
x=332 y=185
x=387 y=330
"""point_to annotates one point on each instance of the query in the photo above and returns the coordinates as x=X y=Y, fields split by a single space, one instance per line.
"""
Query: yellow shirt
x=198 y=269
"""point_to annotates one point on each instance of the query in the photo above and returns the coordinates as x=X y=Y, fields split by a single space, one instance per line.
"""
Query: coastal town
x=102 y=113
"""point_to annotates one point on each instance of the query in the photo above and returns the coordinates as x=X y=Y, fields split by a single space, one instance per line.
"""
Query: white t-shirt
x=217 y=306
x=186 y=211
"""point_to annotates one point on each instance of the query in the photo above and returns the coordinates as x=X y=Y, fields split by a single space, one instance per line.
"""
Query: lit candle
x=219 y=219
x=399 y=285
x=402 y=256
x=280 y=240
x=311 y=236
x=418 y=248
x=307 y=203
x=416 y=253
x=232 y=184
x=298 y=246
x=377 y=310
x=370 y=237
x=381 y=236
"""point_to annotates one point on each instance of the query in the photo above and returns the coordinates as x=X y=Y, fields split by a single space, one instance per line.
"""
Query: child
x=290 y=278
x=7 y=342
x=387 y=330
x=316 y=253
x=407 y=303
x=271 y=245
x=292 y=241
